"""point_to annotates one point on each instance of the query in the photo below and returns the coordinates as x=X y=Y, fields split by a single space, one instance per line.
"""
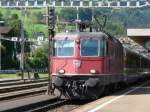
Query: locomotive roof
x=75 y=35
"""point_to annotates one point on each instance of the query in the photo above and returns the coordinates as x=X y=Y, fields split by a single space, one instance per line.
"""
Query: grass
x=16 y=76
x=43 y=75
x=8 y=76
x=31 y=28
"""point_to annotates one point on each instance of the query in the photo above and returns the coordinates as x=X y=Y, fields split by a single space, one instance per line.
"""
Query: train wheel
x=101 y=92
x=116 y=87
x=111 y=88
x=107 y=90
x=95 y=92
x=122 y=85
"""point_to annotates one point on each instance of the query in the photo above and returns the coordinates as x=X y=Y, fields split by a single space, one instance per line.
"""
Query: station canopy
x=140 y=35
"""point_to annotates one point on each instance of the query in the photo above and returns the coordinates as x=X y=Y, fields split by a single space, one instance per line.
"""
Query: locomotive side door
x=109 y=57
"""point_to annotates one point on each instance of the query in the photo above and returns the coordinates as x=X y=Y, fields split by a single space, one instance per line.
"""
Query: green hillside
x=32 y=18
x=117 y=22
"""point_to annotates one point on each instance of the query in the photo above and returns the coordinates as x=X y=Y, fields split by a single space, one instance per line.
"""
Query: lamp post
x=1 y=22
x=22 y=42
x=0 y=51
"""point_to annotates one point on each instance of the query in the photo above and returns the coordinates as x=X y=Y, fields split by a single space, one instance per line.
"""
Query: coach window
x=89 y=47
x=64 y=48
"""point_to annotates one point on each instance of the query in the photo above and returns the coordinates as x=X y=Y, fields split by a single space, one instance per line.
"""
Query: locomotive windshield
x=64 y=48
x=89 y=47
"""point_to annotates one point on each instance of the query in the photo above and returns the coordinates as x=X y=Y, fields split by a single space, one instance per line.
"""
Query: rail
x=34 y=104
x=16 y=71
x=17 y=89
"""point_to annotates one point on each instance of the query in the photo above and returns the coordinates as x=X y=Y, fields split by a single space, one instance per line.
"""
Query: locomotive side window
x=64 y=48
x=103 y=48
x=89 y=47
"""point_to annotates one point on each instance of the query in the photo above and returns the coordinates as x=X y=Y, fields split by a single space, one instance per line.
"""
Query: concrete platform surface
x=133 y=99
x=23 y=102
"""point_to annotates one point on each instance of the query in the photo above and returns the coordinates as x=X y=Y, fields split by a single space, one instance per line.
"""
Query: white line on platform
x=142 y=87
x=114 y=99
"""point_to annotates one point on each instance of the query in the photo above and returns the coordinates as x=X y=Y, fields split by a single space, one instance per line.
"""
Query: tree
x=85 y=14
x=39 y=60
x=1 y=16
x=9 y=59
x=67 y=14
x=37 y=17
x=15 y=23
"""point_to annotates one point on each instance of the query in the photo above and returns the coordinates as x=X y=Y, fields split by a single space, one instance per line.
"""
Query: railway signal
x=51 y=18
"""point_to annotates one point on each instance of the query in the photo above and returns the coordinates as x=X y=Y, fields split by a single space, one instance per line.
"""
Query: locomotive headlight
x=61 y=71
x=92 y=71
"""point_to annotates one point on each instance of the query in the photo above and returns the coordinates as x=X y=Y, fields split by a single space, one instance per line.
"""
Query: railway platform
x=132 y=99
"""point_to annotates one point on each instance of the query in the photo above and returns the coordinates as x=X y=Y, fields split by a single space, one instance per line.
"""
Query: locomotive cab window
x=64 y=48
x=89 y=47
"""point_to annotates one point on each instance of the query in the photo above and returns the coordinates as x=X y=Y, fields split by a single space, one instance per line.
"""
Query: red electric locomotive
x=85 y=63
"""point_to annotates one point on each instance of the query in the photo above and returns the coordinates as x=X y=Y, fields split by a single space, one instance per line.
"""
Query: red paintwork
x=86 y=65
x=103 y=65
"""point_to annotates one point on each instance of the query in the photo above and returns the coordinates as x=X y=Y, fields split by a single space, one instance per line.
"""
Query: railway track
x=46 y=106
x=11 y=88
x=8 y=80
x=15 y=90
x=12 y=91
x=40 y=103
x=18 y=82
x=22 y=93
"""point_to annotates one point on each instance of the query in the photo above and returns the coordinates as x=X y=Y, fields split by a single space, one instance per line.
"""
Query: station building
x=140 y=35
